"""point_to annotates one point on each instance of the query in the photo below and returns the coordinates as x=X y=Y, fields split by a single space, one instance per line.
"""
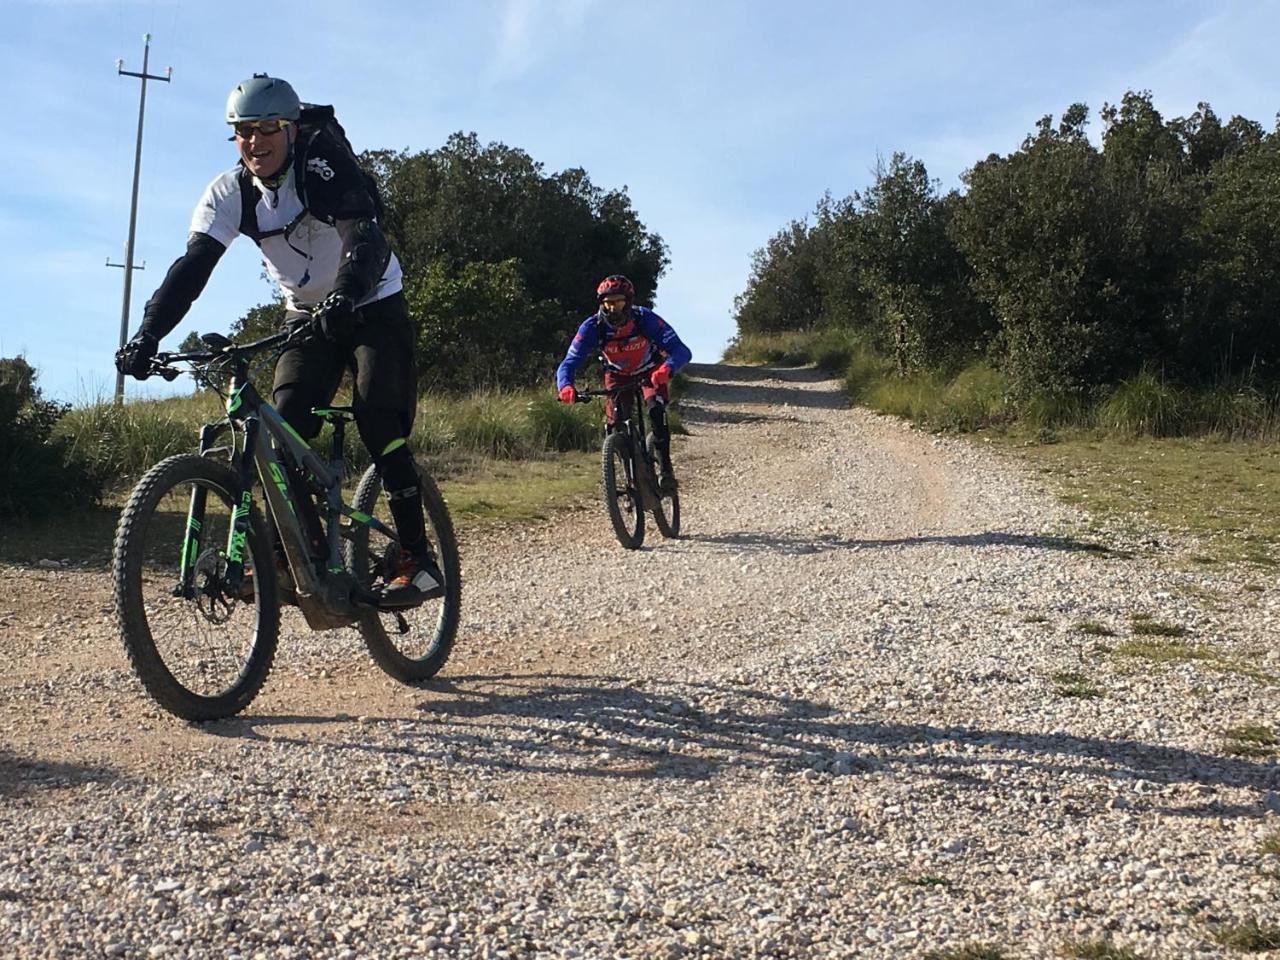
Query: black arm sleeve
x=181 y=285
x=365 y=255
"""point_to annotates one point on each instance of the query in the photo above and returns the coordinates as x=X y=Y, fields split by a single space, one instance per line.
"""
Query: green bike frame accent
x=239 y=528
x=282 y=484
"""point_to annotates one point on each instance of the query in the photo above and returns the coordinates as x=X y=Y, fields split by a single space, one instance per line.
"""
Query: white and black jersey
x=314 y=241
x=303 y=252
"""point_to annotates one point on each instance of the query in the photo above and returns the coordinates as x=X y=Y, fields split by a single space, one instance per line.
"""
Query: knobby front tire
x=204 y=656
x=418 y=654
x=621 y=498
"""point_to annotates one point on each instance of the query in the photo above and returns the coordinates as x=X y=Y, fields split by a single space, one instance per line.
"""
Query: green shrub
x=864 y=370
x=121 y=441
x=1143 y=405
x=40 y=472
x=1232 y=410
x=553 y=425
x=832 y=350
x=489 y=424
x=977 y=397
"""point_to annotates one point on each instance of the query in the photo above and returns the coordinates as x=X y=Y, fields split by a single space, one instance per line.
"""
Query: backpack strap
x=249 y=207
x=249 y=194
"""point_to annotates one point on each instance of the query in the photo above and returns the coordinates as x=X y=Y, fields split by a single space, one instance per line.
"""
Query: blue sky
x=723 y=119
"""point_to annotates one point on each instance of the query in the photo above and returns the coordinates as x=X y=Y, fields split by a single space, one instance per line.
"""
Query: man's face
x=615 y=308
x=264 y=145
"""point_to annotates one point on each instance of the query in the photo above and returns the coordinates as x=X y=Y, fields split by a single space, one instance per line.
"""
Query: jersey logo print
x=321 y=166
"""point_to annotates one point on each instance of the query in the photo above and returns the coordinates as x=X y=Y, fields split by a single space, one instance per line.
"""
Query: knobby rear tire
x=666 y=516
x=621 y=498
x=145 y=563
x=432 y=626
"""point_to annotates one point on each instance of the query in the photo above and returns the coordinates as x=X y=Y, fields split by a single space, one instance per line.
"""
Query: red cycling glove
x=568 y=394
x=660 y=376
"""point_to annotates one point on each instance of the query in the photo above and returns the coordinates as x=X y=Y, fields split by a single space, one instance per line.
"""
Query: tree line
x=500 y=258
x=1067 y=265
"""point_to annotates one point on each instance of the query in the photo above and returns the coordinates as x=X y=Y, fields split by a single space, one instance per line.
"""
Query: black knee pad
x=385 y=434
x=399 y=475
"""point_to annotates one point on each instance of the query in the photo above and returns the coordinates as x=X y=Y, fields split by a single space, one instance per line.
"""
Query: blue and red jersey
x=628 y=350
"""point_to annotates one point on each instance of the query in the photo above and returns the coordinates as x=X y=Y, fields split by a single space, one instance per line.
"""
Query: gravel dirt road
x=848 y=714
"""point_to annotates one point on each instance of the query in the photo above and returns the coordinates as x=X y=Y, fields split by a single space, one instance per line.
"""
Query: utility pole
x=133 y=205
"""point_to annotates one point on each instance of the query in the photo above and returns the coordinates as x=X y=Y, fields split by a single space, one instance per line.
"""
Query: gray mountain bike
x=210 y=544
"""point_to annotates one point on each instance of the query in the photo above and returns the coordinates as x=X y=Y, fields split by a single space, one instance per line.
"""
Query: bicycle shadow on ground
x=781 y=543
x=606 y=728
x=21 y=775
x=80 y=539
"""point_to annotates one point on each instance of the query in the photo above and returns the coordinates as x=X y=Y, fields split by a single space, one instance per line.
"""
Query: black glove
x=134 y=358
x=335 y=318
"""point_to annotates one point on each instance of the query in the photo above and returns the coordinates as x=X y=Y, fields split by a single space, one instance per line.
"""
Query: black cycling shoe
x=418 y=578
x=667 y=482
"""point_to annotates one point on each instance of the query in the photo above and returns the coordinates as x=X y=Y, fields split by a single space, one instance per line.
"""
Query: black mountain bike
x=629 y=472
x=199 y=567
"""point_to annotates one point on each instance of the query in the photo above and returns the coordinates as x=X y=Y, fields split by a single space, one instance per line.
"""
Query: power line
x=133 y=204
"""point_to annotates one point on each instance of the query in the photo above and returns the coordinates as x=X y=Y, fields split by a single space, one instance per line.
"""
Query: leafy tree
x=261 y=321
x=1226 y=326
x=1072 y=267
x=784 y=291
x=1034 y=228
x=911 y=269
x=481 y=326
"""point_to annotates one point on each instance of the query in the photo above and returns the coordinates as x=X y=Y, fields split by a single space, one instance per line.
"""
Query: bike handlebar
x=586 y=396
x=160 y=363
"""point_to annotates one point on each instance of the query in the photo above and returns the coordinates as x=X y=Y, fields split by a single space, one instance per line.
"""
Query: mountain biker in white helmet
x=298 y=193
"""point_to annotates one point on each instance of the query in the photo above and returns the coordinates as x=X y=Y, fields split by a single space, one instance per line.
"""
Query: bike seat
x=334 y=413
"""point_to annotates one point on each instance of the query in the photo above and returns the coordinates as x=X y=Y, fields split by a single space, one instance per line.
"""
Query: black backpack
x=315 y=122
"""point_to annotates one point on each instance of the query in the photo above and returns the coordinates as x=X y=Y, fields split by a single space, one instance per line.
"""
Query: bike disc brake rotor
x=212 y=599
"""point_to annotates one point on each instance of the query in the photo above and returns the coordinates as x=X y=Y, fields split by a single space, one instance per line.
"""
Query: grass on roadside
x=1226 y=492
x=1250 y=740
x=1098 y=950
x=1147 y=627
x=1095 y=629
x=1251 y=936
x=1175 y=651
x=1070 y=684
x=970 y=951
